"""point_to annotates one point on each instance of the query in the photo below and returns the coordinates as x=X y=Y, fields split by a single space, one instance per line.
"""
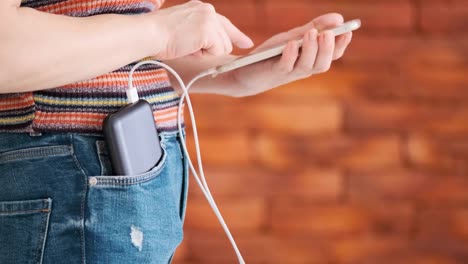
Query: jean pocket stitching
x=184 y=194
x=36 y=152
x=26 y=212
x=45 y=231
x=122 y=180
x=41 y=206
x=102 y=154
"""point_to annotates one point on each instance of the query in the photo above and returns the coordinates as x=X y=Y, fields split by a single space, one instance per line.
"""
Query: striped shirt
x=81 y=107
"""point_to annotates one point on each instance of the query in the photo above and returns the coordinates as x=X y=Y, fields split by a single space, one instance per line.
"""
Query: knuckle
x=320 y=70
x=302 y=76
x=284 y=68
x=328 y=41
x=193 y=3
x=208 y=8
x=303 y=69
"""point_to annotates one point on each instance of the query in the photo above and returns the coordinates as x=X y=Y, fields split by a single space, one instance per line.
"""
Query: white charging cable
x=132 y=95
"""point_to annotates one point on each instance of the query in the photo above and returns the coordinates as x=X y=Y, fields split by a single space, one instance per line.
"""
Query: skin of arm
x=40 y=50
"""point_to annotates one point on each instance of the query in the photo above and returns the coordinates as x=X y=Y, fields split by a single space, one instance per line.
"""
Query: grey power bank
x=132 y=139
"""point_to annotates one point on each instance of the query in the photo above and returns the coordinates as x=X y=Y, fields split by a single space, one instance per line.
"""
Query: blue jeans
x=60 y=203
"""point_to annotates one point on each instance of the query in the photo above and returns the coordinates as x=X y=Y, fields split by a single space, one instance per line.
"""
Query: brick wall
x=367 y=163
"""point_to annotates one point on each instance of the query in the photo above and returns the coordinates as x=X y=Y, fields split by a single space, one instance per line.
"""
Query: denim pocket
x=123 y=180
x=23 y=230
x=137 y=218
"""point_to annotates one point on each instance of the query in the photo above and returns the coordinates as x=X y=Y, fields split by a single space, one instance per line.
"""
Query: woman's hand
x=318 y=52
x=194 y=28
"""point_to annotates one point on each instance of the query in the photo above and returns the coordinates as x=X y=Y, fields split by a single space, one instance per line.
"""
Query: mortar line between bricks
x=416 y=10
x=414 y=228
x=260 y=12
x=345 y=195
x=404 y=150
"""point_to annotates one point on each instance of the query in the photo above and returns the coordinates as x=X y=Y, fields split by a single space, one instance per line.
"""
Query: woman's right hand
x=194 y=28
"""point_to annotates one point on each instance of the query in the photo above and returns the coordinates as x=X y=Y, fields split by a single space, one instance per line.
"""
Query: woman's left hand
x=318 y=52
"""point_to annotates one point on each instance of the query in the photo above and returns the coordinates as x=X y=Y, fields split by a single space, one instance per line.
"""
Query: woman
x=64 y=67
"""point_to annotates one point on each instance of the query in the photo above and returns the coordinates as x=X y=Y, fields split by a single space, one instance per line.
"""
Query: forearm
x=40 y=50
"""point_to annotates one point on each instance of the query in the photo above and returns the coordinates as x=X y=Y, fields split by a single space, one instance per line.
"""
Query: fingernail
x=247 y=44
x=251 y=44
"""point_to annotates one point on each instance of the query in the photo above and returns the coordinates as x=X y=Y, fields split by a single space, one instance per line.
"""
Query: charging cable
x=199 y=176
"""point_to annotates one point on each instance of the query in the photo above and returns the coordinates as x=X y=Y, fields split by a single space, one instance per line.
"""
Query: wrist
x=156 y=36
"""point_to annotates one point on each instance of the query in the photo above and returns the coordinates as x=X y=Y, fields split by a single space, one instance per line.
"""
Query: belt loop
x=35 y=134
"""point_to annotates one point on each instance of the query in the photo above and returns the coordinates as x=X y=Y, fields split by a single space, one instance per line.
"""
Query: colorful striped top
x=81 y=107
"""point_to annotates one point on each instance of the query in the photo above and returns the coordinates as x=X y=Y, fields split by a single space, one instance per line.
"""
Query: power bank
x=132 y=139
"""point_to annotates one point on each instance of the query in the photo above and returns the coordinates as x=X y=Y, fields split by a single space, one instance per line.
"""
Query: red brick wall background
x=367 y=163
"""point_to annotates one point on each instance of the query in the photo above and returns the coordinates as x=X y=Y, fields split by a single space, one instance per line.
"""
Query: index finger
x=320 y=23
x=237 y=37
x=327 y=21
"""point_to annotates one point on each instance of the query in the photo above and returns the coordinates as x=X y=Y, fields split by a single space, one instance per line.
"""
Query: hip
x=59 y=197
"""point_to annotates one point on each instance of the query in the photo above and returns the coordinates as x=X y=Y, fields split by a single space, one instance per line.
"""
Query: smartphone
x=273 y=52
